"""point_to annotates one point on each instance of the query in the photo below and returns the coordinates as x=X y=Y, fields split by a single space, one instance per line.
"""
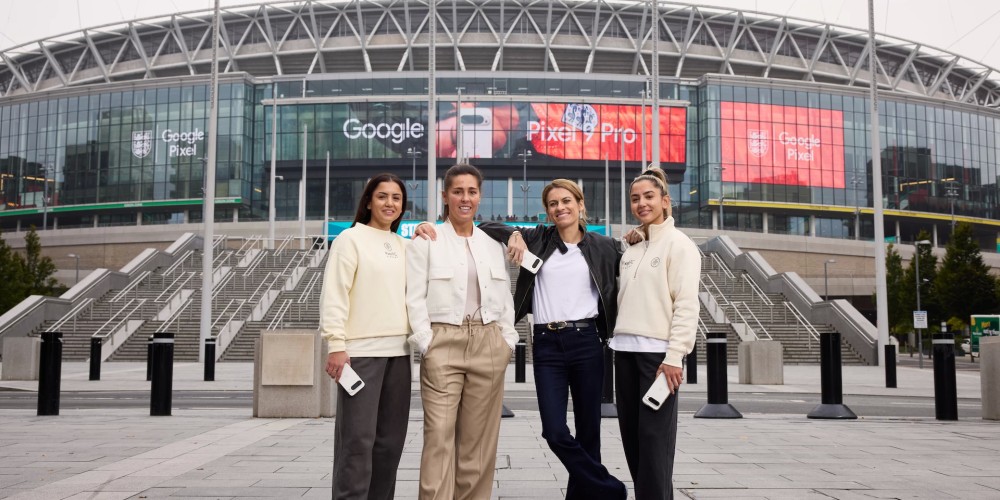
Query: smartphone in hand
x=657 y=393
x=531 y=262
x=350 y=380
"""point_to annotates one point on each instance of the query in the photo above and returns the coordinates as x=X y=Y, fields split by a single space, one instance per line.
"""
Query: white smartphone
x=531 y=262
x=350 y=380
x=657 y=393
x=477 y=133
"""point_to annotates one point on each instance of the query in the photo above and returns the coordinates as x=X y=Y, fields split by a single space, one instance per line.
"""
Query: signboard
x=407 y=227
x=551 y=132
x=920 y=319
x=983 y=326
x=789 y=145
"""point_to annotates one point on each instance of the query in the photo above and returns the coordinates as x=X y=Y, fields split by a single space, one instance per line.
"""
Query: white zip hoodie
x=658 y=290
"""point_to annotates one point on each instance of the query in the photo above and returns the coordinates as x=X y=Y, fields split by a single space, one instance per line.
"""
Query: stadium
x=763 y=124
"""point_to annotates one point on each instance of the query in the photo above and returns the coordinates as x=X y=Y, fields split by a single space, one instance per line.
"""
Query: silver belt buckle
x=556 y=325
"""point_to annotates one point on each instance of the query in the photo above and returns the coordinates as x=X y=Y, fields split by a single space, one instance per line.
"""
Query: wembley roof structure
x=605 y=36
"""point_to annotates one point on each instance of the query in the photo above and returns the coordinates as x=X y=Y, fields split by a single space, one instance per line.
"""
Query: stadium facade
x=764 y=115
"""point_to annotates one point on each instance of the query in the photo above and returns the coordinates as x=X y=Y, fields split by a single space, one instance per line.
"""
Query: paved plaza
x=224 y=453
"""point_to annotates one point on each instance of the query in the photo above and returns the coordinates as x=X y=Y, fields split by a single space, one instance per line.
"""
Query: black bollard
x=831 y=382
x=692 y=365
x=149 y=359
x=608 y=408
x=945 y=389
x=520 y=359
x=95 y=358
x=209 y=360
x=49 y=374
x=890 y=366
x=718 y=386
x=160 y=394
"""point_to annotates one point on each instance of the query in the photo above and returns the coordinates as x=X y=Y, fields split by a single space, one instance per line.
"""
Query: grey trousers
x=370 y=430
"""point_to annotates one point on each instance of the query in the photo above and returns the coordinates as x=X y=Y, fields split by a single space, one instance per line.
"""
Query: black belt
x=556 y=326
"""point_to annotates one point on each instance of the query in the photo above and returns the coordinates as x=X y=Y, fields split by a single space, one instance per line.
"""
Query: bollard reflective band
x=715 y=341
x=163 y=341
x=942 y=341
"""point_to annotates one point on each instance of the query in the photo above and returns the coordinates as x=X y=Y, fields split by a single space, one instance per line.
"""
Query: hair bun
x=656 y=172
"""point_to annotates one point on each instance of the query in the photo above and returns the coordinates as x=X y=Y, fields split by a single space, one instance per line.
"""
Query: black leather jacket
x=601 y=253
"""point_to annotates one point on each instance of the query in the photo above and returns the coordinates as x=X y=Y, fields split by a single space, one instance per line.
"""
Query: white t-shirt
x=564 y=290
x=626 y=342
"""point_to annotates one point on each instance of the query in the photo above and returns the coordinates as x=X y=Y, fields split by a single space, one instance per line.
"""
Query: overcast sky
x=970 y=28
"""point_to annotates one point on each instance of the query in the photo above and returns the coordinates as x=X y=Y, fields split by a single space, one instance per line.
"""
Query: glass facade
x=780 y=159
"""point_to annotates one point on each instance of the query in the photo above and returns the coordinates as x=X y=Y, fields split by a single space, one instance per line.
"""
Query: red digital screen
x=562 y=131
x=769 y=144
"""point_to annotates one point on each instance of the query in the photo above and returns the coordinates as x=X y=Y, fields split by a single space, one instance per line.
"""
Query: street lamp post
x=920 y=331
x=413 y=153
x=525 y=187
x=826 y=279
x=77 y=257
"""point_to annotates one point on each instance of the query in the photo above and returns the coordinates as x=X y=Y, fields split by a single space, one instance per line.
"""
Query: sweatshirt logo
x=389 y=252
x=655 y=262
x=627 y=264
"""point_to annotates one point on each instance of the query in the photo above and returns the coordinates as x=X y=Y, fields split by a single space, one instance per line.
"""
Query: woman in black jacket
x=573 y=301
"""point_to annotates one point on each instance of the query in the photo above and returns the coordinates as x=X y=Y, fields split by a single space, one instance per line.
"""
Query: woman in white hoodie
x=657 y=319
x=363 y=318
x=462 y=316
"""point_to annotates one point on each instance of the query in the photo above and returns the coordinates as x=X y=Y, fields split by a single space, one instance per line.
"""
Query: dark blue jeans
x=567 y=362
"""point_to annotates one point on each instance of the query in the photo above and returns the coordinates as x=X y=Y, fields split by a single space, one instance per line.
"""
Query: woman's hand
x=335 y=364
x=633 y=236
x=516 y=247
x=426 y=231
x=673 y=374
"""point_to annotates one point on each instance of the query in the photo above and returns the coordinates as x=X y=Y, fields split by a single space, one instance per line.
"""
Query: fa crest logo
x=142 y=143
x=758 y=142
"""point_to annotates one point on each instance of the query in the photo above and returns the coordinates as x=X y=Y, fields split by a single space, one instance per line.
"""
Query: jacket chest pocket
x=497 y=289
x=439 y=287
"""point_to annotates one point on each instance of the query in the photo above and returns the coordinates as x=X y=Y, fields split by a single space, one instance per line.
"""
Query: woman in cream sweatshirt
x=657 y=319
x=363 y=318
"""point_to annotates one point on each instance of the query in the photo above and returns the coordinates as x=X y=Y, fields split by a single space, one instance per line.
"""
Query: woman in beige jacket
x=462 y=316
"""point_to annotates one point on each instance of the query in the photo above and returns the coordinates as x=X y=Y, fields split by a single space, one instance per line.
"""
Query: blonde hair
x=570 y=186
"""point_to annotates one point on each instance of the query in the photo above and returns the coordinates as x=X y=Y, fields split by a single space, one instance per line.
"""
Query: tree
x=894 y=289
x=13 y=288
x=928 y=273
x=963 y=285
x=27 y=274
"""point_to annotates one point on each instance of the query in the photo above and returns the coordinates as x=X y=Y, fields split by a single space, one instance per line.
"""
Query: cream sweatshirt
x=658 y=290
x=363 y=302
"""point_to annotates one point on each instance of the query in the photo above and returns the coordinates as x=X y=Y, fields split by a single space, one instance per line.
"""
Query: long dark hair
x=457 y=170
x=364 y=214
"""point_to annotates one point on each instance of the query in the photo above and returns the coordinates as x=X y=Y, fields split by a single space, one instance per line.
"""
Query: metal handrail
x=757 y=290
x=811 y=330
x=279 y=316
x=702 y=329
x=743 y=319
x=266 y=284
x=179 y=262
x=248 y=244
x=723 y=266
x=180 y=281
x=176 y=315
x=763 y=329
x=138 y=306
x=221 y=258
x=254 y=264
x=309 y=289
x=284 y=244
x=222 y=313
x=221 y=285
x=72 y=314
x=128 y=288
x=720 y=297
x=220 y=240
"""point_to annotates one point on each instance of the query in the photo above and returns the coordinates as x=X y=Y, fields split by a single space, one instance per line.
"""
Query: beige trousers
x=461 y=386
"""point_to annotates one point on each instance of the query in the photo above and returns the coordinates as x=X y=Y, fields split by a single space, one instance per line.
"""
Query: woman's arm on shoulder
x=417 y=263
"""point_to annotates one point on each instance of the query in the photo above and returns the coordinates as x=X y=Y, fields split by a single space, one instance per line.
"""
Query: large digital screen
x=494 y=129
x=789 y=145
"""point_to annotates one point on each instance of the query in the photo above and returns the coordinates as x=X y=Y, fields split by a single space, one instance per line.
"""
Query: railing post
x=160 y=395
x=718 y=387
x=692 y=364
x=608 y=407
x=95 y=358
x=520 y=359
x=210 y=359
x=49 y=374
